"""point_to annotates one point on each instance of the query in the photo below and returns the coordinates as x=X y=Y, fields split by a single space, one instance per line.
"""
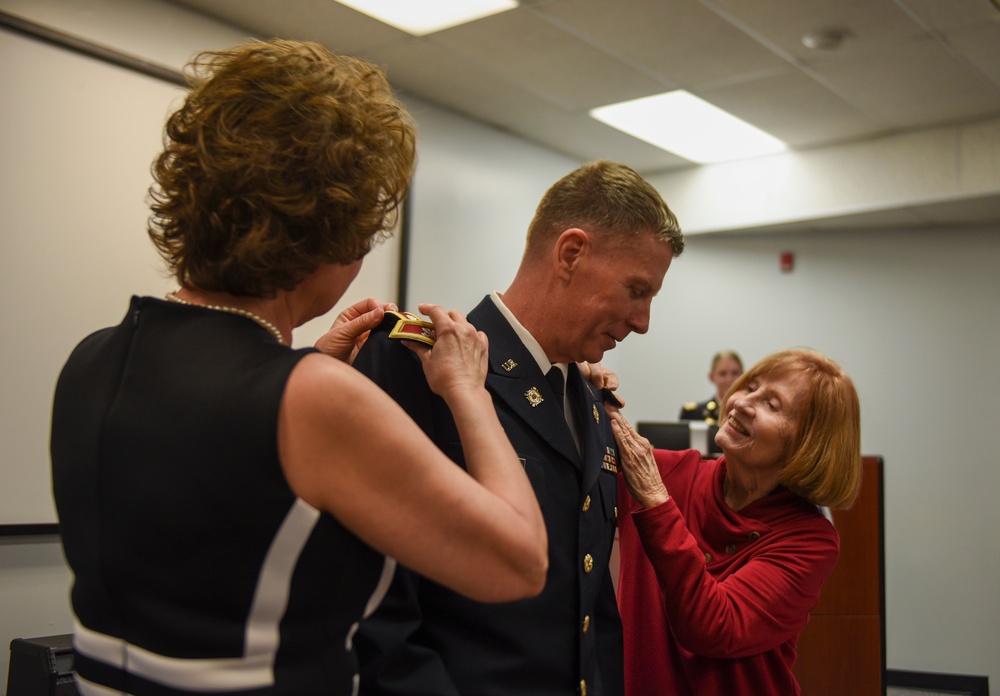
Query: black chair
x=41 y=667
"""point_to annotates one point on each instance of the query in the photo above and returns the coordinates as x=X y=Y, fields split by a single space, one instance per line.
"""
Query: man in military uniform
x=597 y=250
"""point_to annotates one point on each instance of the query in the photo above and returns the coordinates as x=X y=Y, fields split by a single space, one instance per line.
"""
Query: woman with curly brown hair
x=230 y=506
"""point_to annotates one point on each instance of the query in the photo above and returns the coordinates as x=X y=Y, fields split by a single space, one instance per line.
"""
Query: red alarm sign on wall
x=787 y=261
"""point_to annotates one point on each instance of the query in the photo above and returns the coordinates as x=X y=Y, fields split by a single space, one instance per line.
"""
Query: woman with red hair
x=722 y=560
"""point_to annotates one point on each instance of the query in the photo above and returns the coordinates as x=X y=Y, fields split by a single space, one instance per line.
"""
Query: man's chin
x=596 y=355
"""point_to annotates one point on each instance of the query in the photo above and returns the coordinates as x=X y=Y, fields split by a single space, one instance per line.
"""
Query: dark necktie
x=555 y=378
x=557 y=382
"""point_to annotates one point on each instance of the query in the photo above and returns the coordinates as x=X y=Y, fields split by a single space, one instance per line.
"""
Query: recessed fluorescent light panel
x=685 y=125
x=419 y=17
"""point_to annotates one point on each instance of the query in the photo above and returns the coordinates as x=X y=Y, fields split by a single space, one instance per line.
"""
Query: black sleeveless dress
x=196 y=567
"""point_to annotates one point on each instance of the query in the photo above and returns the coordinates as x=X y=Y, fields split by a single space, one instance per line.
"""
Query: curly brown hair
x=607 y=199
x=283 y=157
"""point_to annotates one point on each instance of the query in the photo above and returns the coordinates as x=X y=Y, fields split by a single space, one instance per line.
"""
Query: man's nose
x=639 y=321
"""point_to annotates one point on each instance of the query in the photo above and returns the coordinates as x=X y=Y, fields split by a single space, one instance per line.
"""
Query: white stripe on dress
x=388 y=570
x=262 y=634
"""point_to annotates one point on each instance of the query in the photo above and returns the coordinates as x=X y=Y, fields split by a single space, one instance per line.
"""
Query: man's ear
x=570 y=248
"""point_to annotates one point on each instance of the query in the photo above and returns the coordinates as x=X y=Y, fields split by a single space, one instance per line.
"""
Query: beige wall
x=911 y=315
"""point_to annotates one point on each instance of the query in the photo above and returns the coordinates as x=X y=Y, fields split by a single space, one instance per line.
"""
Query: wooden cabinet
x=842 y=650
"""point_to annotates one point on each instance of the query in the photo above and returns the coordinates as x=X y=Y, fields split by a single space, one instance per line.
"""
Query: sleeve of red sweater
x=759 y=606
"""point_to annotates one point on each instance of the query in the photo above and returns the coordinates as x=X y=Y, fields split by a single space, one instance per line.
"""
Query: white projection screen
x=78 y=136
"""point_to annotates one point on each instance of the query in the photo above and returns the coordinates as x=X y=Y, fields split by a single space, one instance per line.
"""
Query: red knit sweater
x=712 y=601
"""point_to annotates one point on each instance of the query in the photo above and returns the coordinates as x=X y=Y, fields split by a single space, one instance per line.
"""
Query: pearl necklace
x=172 y=297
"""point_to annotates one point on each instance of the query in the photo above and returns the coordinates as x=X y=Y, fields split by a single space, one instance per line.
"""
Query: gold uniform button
x=586 y=623
x=588 y=563
x=754 y=536
x=616 y=512
x=586 y=503
x=708 y=557
x=730 y=549
x=583 y=687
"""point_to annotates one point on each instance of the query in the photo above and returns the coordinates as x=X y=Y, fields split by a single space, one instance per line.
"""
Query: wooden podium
x=842 y=650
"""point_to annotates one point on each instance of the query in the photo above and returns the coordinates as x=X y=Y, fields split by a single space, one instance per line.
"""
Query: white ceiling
x=537 y=70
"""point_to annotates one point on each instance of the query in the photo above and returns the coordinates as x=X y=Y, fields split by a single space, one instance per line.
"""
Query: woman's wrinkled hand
x=635 y=454
x=458 y=359
x=598 y=375
x=351 y=328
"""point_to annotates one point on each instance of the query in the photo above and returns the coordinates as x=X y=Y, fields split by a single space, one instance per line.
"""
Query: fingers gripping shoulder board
x=410 y=327
x=610 y=397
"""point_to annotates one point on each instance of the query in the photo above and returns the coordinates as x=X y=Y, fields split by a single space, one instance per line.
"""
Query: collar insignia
x=597 y=416
x=509 y=365
x=533 y=396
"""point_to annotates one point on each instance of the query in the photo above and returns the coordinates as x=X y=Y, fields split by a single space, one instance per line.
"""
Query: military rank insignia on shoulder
x=610 y=397
x=410 y=327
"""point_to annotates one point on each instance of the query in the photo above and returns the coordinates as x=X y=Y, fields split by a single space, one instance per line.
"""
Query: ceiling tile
x=588 y=139
x=980 y=47
x=546 y=60
x=338 y=27
x=466 y=89
x=439 y=75
x=681 y=41
x=794 y=108
x=782 y=23
x=913 y=85
x=952 y=14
